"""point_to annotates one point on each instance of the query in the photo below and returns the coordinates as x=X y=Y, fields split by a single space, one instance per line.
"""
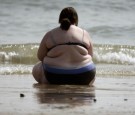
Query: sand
x=109 y=96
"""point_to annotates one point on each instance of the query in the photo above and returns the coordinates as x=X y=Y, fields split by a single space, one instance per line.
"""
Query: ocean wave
x=15 y=69
x=114 y=54
x=103 y=53
x=18 y=53
x=101 y=70
x=115 y=70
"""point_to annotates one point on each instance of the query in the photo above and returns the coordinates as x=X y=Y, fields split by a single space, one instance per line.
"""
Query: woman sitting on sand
x=65 y=53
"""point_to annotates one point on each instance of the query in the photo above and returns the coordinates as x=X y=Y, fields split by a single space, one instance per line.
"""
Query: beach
x=111 y=25
x=108 y=96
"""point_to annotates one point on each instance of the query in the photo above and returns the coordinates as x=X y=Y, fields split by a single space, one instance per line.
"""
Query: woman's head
x=68 y=16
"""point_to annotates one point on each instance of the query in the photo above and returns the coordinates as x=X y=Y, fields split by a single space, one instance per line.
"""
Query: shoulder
x=73 y=27
x=86 y=33
x=46 y=40
x=80 y=29
x=50 y=32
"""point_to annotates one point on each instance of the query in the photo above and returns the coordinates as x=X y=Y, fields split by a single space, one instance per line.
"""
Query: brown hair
x=67 y=17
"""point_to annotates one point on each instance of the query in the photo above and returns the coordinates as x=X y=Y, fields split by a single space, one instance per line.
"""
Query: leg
x=93 y=73
x=92 y=82
x=38 y=73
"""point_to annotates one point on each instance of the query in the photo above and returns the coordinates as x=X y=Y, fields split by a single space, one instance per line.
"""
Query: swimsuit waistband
x=86 y=68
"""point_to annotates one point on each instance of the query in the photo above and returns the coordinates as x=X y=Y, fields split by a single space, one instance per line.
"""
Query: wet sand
x=109 y=96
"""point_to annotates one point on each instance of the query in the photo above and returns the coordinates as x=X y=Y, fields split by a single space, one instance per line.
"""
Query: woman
x=65 y=53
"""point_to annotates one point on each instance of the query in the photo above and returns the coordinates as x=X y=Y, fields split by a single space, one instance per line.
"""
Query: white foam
x=114 y=57
x=15 y=69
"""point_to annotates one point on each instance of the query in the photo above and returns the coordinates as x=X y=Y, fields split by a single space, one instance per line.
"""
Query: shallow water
x=112 y=60
x=110 y=23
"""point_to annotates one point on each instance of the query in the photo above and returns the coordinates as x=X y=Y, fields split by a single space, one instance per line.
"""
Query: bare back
x=63 y=55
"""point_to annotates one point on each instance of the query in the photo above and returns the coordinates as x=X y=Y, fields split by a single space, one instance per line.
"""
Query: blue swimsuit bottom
x=75 y=76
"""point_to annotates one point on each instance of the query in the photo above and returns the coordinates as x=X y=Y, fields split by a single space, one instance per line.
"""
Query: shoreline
x=109 y=96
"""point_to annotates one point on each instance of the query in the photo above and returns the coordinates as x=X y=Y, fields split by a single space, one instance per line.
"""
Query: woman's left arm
x=42 y=51
x=89 y=42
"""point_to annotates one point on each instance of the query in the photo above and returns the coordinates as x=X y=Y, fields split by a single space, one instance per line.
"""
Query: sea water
x=111 y=25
